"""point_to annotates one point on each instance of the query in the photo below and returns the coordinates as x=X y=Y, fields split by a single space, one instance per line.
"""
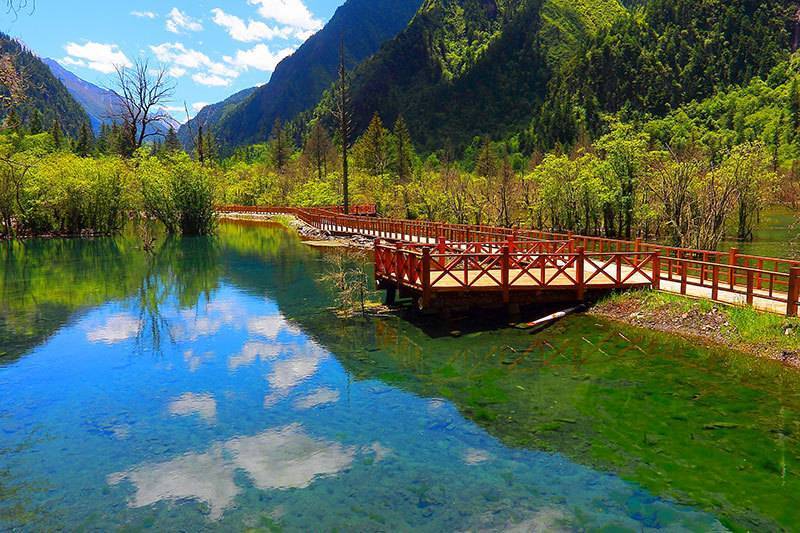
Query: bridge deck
x=766 y=283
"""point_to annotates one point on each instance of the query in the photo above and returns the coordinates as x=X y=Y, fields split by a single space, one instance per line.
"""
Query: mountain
x=299 y=80
x=210 y=115
x=100 y=104
x=44 y=91
x=548 y=70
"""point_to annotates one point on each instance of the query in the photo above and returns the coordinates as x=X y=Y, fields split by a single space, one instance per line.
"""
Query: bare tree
x=17 y=6
x=142 y=93
x=344 y=120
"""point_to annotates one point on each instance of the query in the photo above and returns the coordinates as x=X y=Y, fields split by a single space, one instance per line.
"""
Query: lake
x=208 y=386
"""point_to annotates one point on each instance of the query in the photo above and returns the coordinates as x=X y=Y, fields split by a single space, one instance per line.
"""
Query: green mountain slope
x=211 y=115
x=299 y=80
x=43 y=90
x=548 y=69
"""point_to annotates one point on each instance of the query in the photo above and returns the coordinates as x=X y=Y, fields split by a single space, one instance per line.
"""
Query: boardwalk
x=432 y=260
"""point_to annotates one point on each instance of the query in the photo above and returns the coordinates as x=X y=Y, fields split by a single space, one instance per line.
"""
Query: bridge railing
x=478 y=267
x=729 y=272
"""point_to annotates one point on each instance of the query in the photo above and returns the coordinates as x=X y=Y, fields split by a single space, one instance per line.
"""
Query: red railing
x=750 y=277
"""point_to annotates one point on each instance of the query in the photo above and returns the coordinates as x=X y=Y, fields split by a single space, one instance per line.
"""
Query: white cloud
x=288 y=12
x=260 y=57
x=144 y=14
x=177 y=72
x=211 y=80
x=97 y=56
x=74 y=62
x=180 y=22
x=197 y=106
x=183 y=59
x=248 y=31
x=321 y=396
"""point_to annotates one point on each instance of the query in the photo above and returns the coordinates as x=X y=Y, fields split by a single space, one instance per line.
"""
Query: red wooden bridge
x=438 y=264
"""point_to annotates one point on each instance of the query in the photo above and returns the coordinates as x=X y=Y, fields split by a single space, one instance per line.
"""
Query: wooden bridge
x=438 y=264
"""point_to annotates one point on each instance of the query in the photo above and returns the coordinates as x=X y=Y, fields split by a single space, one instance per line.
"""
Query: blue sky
x=213 y=48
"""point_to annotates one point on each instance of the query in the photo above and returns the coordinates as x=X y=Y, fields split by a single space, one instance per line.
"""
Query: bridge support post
x=656 y=270
x=794 y=292
x=580 y=277
x=732 y=259
x=426 y=277
x=505 y=274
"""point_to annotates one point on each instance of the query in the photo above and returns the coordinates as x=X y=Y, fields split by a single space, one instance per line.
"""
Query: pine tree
x=210 y=143
x=403 y=150
x=280 y=146
x=83 y=147
x=486 y=162
x=103 y=140
x=35 y=124
x=12 y=122
x=171 y=142
x=318 y=146
x=57 y=133
x=373 y=147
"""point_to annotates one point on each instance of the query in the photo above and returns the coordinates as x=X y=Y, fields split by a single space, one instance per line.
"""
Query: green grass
x=747 y=326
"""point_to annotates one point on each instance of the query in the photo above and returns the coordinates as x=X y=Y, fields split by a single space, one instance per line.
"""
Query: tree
x=373 y=148
x=625 y=150
x=142 y=93
x=748 y=168
x=36 y=122
x=16 y=6
x=318 y=147
x=403 y=156
x=12 y=122
x=343 y=115
x=83 y=146
x=57 y=132
x=280 y=146
x=171 y=142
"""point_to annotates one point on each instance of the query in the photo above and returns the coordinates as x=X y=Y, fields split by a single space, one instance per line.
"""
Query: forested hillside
x=548 y=69
x=210 y=115
x=299 y=80
x=45 y=98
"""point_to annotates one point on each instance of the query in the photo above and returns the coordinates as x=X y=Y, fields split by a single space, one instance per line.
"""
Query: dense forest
x=644 y=119
x=38 y=97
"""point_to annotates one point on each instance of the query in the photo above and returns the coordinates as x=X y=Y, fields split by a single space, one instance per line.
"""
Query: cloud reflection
x=188 y=404
x=276 y=459
x=118 y=328
x=253 y=350
x=321 y=396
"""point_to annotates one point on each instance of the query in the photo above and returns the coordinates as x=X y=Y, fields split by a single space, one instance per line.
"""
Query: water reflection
x=191 y=390
x=276 y=459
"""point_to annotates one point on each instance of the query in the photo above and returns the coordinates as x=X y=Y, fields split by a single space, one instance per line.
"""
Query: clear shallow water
x=209 y=388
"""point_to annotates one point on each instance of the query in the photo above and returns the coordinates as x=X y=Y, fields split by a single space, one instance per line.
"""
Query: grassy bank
x=740 y=328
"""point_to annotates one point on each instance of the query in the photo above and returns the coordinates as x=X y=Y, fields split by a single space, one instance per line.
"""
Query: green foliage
x=178 y=192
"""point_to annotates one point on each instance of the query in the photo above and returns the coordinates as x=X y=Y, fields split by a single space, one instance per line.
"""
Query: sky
x=211 y=48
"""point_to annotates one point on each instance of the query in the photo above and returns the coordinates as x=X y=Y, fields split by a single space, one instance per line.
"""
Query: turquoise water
x=209 y=388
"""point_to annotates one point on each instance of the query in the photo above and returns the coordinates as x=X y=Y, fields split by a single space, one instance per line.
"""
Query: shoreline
x=746 y=330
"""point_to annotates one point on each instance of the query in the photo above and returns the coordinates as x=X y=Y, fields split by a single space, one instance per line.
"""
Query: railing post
x=750 y=287
x=442 y=243
x=715 y=282
x=580 y=265
x=684 y=274
x=656 y=270
x=794 y=291
x=571 y=242
x=505 y=274
x=732 y=258
x=426 y=277
x=399 y=262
